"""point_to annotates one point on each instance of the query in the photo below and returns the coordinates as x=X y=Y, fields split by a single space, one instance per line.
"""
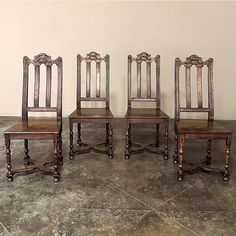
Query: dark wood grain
x=38 y=128
x=145 y=115
x=196 y=129
x=92 y=115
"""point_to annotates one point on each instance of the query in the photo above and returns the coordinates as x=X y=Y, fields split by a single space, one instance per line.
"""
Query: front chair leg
x=60 y=149
x=180 y=157
x=227 y=158
x=110 y=154
x=8 y=158
x=56 y=174
x=175 y=157
x=127 y=154
x=208 y=157
x=26 y=159
x=166 y=153
x=71 y=152
x=79 y=134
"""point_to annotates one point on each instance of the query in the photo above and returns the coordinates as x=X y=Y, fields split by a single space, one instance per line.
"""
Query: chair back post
x=78 y=92
x=129 y=80
x=107 y=61
x=39 y=59
x=191 y=61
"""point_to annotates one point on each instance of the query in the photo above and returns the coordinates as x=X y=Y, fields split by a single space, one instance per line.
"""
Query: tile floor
x=97 y=196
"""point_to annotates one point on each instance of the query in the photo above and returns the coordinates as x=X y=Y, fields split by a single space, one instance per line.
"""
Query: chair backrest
x=148 y=60
x=196 y=61
x=88 y=59
x=37 y=62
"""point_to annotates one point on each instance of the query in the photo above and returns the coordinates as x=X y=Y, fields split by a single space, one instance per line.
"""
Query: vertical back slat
x=199 y=87
x=188 y=87
x=98 y=79
x=129 y=80
x=149 y=80
x=48 y=86
x=139 y=80
x=25 y=88
x=88 y=78
x=79 y=60
x=36 y=86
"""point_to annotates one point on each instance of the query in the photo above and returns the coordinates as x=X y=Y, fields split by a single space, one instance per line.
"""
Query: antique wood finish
x=38 y=128
x=145 y=115
x=92 y=115
x=191 y=129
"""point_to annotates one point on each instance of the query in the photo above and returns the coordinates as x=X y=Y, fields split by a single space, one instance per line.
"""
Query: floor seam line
x=5 y=229
x=150 y=207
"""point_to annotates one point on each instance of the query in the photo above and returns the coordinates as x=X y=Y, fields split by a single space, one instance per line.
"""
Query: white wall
x=171 y=29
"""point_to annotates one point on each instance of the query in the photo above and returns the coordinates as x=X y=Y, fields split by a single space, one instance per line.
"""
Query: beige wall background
x=171 y=29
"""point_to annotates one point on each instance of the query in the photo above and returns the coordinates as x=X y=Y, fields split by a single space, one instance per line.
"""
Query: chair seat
x=35 y=126
x=91 y=113
x=195 y=126
x=145 y=113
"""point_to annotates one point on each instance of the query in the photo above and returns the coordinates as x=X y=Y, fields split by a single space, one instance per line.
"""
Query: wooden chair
x=38 y=128
x=190 y=129
x=92 y=115
x=145 y=115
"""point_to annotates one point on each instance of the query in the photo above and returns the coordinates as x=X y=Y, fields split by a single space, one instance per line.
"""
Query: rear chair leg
x=226 y=174
x=157 y=135
x=71 y=152
x=56 y=174
x=110 y=154
x=180 y=158
x=107 y=135
x=26 y=159
x=175 y=157
x=166 y=153
x=127 y=153
x=130 y=138
x=208 y=157
x=8 y=158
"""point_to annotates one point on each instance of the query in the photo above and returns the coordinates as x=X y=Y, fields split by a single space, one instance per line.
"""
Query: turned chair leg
x=107 y=135
x=8 y=158
x=180 y=157
x=175 y=157
x=71 y=152
x=157 y=135
x=166 y=152
x=79 y=134
x=60 y=149
x=208 y=157
x=26 y=159
x=130 y=138
x=127 y=154
x=110 y=154
x=226 y=174
x=56 y=174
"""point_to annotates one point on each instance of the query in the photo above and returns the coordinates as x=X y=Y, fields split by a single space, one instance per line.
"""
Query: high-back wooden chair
x=92 y=115
x=38 y=128
x=145 y=115
x=190 y=129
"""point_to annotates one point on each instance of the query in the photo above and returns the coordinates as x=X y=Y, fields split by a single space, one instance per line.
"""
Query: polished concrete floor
x=97 y=196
